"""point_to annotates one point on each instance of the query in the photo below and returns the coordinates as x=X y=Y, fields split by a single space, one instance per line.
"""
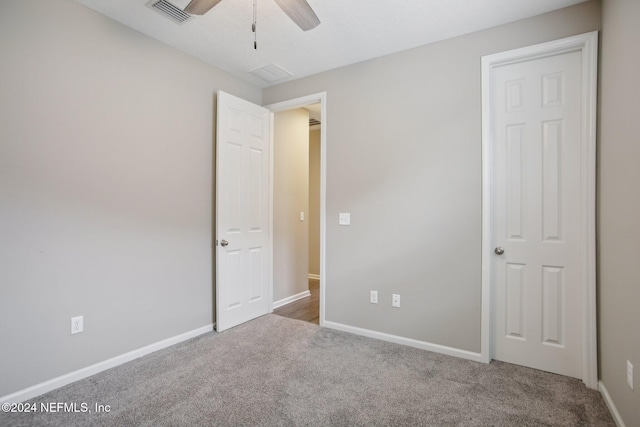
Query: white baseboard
x=314 y=276
x=289 y=300
x=52 y=384
x=612 y=408
x=436 y=348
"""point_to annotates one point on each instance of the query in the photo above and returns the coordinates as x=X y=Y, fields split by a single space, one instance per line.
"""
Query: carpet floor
x=275 y=371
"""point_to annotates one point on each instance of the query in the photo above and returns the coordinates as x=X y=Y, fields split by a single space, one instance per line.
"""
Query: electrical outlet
x=77 y=324
x=630 y=374
x=395 y=300
x=374 y=297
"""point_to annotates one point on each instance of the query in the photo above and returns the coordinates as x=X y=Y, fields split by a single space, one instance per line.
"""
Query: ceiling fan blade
x=200 y=7
x=300 y=12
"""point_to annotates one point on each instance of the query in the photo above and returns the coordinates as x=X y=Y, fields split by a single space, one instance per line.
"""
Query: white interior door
x=242 y=211
x=537 y=213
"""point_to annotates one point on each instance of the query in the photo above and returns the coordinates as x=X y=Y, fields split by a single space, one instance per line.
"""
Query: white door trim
x=587 y=44
x=288 y=105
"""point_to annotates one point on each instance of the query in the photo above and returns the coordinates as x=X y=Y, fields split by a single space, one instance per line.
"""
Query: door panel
x=242 y=211
x=514 y=288
x=537 y=213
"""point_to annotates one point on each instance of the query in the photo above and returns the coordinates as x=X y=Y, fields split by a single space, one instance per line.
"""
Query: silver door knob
x=224 y=243
x=499 y=250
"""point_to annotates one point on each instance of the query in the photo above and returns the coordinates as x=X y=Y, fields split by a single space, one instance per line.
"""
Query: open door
x=242 y=211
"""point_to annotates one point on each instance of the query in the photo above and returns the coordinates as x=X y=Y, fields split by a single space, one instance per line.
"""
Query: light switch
x=301 y=216
x=345 y=218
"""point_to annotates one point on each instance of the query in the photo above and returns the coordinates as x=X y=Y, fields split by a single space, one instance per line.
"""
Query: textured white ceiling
x=351 y=30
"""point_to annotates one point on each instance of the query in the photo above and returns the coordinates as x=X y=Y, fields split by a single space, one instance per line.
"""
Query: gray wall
x=290 y=197
x=403 y=156
x=105 y=189
x=619 y=205
x=314 y=202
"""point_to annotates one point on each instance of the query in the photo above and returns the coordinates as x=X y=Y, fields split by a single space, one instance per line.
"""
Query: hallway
x=306 y=309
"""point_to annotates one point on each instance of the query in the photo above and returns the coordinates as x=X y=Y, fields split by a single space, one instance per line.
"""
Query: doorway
x=298 y=182
x=539 y=207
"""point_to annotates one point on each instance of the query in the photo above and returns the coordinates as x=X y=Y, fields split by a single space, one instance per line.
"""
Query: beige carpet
x=275 y=371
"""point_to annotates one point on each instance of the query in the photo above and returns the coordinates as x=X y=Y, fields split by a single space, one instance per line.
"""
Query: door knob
x=224 y=243
x=499 y=250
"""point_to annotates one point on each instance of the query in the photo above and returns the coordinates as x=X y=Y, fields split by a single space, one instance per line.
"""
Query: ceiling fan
x=298 y=10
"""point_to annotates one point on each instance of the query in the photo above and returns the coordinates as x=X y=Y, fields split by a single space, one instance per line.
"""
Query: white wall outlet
x=395 y=300
x=301 y=216
x=630 y=374
x=344 y=218
x=374 y=297
x=77 y=324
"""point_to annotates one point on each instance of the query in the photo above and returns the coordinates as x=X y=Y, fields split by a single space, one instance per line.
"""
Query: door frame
x=289 y=105
x=587 y=44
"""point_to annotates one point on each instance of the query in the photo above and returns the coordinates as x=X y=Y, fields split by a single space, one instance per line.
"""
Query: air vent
x=313 y=122
x=170 y=11
x=270 y=73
